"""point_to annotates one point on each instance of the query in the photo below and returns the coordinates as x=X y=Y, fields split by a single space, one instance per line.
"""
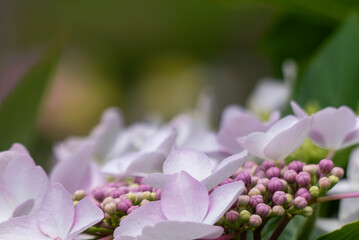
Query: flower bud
x=106 y=201
x=254 y=180
x=244 y=216
x=131 y=196
x=253 y=192
x=99 y=194
x=262 y=189
x=131 y=209
x=255 y=200
x=232 y=216
x=110 y=208
x=326 y=165
x=245 y=177
x=299 y=203
x=260 y=174
x=144 y=188
x=275 y=184
x=263 y=181
x=338 y=172
x=279 y=198
x=144 y=201
x=124 y=205
x=307 y=211
x=243 y=200
x=314 y=191
x=138 y=197
x=267 y=164
x=296 y=166
x=324 y=183
x=333 y=179
x=273 y=172
x=303 y=179
x=75 y=203
x=278 y=210
x=262 y=209
x=249 y=165
x=303 y=192
x=290 y=176
x=255 y=220
x=289 y=198
x=312 y=169
x=78 y=195
x=146 y=195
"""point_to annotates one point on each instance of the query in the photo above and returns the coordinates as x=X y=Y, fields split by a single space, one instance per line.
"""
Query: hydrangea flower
x=185 y=211
x=198 y=165
x=149 y=159
x=280 y=140
x=235 y=123
x=57 y=219
x=22 y=184
x=332 y=128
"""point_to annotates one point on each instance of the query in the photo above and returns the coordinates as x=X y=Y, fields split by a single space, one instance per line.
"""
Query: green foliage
x=332 y=75
x=18 y=111
x=308 y=152
x=347 y=232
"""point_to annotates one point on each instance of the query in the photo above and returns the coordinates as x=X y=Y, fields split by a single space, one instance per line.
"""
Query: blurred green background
x=62 y=63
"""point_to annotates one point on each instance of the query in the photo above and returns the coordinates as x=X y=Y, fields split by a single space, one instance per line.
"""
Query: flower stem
x=282 y=224
x=337 y=197
x=331 y=153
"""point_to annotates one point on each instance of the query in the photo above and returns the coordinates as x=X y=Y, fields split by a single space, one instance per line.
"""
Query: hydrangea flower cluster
x=180 y=180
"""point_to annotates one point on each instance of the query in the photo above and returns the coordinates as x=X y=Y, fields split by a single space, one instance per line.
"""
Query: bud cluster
x=272 y=190
x=118 y=199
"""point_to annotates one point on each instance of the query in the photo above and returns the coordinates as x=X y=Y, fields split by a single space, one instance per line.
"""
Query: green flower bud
x=253 y=192
x=75 y=203
x=153 y=196
x=333 y=179
x=311 y=169
x=110 y=208
x=278 y=210
x=78 y=195
x=131 y=196
x=244 y=216
x=289 y=198
x=307 y=211
x=146 y=195
x=314 y=191
x=144 y=201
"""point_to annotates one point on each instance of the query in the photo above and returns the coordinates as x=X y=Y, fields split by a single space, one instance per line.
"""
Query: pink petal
x=118 y=166
x=225 y=169
x=32 y=183
x=334 y=124
x=184 y=198
x=24 y=208
x=221 y=199
x=66 y=149
x=147 y=215
x=166 y=230
x=18 y=147
x=196 y=163
x=298 y=111
x=161 y=142
x=255 y=143
x=287 y=141
x=57 y=212
x=145 y=163
x=156 y=180
x=21 y=228
x=87 y=214
x=75 y=172
x=351 y=138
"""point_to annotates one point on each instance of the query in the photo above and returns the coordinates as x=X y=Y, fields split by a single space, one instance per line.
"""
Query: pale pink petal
x=317 y=138
x=18 y=147
x=75 y=172
x=334 y=124
x=157 y=180
x=273 y=118
x=64 y=150
x=166 y=230
x=353 y=169
x=203 y=141
x=21 y=228
x=196 y=163
x=105 y=133
x=118 y=166
x=297 y=110
x=348 y=210
x=147 y=215
x=221 y=199
x=351 y=138
x=184 y=198
x=87 y=214
x=5 y=210
x=22 y=180
x=283 y=124
x=24 y=208
x=145 y=163
x=161 y=142
x=57 y=212
x=255 y=143
x=225 y=169
x=287 y=141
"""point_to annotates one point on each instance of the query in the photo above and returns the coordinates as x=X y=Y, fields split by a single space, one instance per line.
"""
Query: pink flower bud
x=275 y=184
x=232 y=216
x=304 y=193
x=243 y=200
x=255 y=220
x=278 y=210
x=290 y=176
x=245 y=177
x=131 y=209
x=267 y=164
x=255 y=200
x=303 y=179
x=299 y=203
x=262 y=189
x=324 y=183
x=338 y=172
x=279 y=197
x=110 y=208
x=312 y=169
x=273 y=172
x=296 y=166
x=262 y=209
x=124 y=205
x=326 y=165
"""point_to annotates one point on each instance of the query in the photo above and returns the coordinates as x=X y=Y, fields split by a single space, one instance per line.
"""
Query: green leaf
x=18 y=111
x=347 y=232
x=332 y=76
